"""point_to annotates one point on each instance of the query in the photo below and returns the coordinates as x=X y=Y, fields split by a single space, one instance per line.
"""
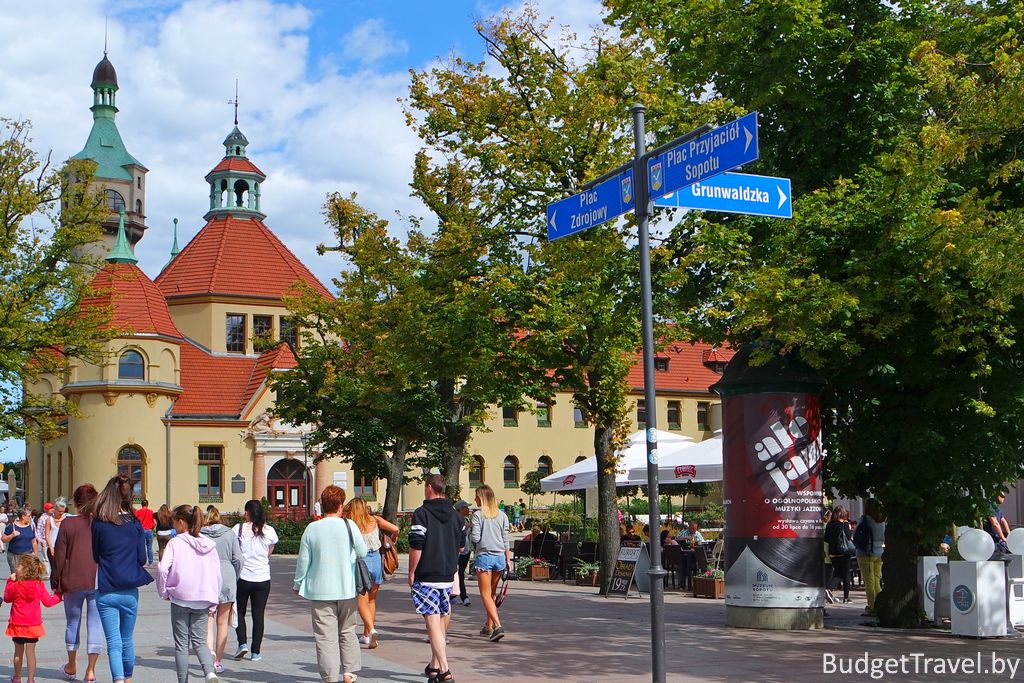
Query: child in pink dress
x=25 y=592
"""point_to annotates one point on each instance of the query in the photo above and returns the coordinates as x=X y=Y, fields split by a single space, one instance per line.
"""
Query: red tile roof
x=237 y=164
x=686 y=367
x=138 y=306
x=221 y=385
x=235 y=255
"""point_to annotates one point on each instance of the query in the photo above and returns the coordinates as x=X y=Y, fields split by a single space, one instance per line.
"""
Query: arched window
x=544 y=465
x=138 y=206
x=511 y=471
x=131 y=462
x=580 y=458
x=131 y=365
x=476 y=472
x=113 y=200
x=241 y=192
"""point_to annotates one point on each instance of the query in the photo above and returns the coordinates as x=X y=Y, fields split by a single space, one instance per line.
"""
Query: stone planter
x=704 y=587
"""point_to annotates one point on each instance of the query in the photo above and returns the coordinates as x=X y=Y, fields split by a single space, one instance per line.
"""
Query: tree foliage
x=47 y=217
x=900 y=276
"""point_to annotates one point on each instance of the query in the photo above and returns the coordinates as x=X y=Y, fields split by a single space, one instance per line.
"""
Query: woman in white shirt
x=257 y=539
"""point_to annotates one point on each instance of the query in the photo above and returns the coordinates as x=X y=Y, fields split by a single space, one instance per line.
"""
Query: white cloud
x=371 y=41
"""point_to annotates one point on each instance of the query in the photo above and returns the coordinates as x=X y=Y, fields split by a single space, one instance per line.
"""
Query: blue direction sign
x=758 y=195
x=601 y=203
x=692 y=161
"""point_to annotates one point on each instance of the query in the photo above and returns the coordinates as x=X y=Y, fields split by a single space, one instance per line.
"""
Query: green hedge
x=287 y=547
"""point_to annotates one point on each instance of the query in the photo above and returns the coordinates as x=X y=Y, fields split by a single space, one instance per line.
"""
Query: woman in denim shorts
x=490 y=541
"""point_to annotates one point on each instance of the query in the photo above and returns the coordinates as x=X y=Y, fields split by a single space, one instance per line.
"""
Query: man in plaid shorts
x=434 y=545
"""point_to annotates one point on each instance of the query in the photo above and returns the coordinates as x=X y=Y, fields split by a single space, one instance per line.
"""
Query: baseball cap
x=461 y=505
x=47 y=506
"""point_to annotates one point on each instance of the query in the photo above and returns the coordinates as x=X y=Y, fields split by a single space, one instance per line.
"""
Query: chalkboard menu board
x=631 y=555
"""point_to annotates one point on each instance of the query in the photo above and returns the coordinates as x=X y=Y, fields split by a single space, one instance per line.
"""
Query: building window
x=543 y=415
x=674 y=412
x=138 y=206
x=579 y=418
x=510 y=472
x=476 y=472
x=131 y=365
x=641 y=414
x=130 y=462
x=211 y=471
x=289 y=331
x=139 y=181
x=113 y=200
x=661 y=364
x=363 y=486
x=510 y=416
x=702 y=415
x=262 y=331
x=544 y=465
x=580 y=458
x=235 y=333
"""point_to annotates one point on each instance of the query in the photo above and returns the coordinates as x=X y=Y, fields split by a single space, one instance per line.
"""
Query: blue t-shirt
x=22 y=543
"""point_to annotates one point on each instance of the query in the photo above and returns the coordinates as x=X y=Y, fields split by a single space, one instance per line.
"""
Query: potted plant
x=588 y=573
x=533 y=569
x=710 y=584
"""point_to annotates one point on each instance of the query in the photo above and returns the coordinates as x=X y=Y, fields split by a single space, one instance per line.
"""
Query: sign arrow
x=755 y=195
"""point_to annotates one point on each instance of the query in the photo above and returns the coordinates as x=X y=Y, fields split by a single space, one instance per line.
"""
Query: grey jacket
x=230 y=554
x=490 y=536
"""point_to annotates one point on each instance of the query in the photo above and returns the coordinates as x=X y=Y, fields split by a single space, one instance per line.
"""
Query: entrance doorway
x=286 y=490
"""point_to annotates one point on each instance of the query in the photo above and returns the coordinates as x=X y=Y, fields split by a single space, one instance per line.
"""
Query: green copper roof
x=105 y=147
x=121 y=253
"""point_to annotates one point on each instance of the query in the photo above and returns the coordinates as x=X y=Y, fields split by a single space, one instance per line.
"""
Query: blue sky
x=319 y=82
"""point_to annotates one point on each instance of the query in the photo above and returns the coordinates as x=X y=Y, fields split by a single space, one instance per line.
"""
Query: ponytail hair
x=254 y=509
x=191 y=515
x=114 y=503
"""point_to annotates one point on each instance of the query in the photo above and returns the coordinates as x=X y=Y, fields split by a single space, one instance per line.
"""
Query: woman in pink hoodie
x=189 y=576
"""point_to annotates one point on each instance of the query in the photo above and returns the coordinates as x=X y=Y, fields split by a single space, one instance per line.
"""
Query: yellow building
x=183 y=403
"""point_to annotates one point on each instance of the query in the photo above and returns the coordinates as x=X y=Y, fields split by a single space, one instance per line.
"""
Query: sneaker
x=218 y=667
x=255 y=657
x=243 y=649
x=373 y=640
x=465 y=602
x=212 y=678
x=485 y=632
x=496 y=635
x=364 y=640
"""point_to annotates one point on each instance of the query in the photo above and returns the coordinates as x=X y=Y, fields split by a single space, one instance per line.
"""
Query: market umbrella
x=700 y=462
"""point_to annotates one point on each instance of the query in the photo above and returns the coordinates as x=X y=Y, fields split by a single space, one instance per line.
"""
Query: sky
x=319 y=83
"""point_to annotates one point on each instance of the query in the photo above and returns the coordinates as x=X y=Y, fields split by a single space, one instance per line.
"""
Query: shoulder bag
x=388 y=554
x=364 y=579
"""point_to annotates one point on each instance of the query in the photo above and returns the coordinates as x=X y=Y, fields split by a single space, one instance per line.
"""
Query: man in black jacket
x=435 y=540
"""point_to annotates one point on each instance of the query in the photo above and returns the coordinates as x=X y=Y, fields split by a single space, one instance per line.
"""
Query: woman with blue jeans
x=370 y=527
x=119 y=550
x=490 y=542
x=73 y=573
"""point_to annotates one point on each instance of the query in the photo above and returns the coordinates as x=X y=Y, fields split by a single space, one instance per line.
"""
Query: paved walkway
x=556 y=632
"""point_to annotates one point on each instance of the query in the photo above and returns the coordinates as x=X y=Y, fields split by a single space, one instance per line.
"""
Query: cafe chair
x=672 y=561
x=716 y=554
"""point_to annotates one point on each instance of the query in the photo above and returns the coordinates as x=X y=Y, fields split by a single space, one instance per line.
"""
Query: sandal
x=430 y=672
x=66 y=675
x=445 y=677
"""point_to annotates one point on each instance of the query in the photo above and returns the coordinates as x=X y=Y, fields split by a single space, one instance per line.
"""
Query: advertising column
x=772 y=493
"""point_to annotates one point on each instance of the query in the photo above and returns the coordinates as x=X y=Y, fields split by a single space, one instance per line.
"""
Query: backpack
x=863 y=539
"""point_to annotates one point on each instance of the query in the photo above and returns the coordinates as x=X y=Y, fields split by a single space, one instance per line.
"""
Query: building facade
x=183 y=404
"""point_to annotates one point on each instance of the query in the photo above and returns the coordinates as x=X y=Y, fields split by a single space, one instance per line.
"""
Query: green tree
x=531 y=486
x=47 y=217
x=900 y=276
x=532 y=124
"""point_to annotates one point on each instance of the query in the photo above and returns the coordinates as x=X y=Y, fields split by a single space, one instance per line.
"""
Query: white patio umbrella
x=700 y=462
x=583 y=475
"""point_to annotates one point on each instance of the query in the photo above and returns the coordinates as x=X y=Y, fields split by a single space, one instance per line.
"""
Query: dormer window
x=661 y=364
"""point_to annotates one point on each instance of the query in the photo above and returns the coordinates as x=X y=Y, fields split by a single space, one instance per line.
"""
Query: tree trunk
x=456 y=434
x=607 y=519
x=899 y=603
x=395 y=479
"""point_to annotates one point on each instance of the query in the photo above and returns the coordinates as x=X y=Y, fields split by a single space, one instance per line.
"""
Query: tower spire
x=236 y=101
x=105 y=21
x=121 y=253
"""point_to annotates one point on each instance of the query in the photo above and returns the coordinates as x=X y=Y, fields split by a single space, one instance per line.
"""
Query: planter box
x=535 y=573
x=593 y=579
x=704 y=587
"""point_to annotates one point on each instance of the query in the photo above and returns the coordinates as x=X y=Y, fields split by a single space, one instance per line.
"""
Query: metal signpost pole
x=642 y=209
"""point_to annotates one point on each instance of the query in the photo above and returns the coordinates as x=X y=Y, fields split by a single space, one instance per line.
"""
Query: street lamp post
x=304 y=435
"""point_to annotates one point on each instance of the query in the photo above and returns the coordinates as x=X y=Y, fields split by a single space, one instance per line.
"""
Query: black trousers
x=841 y=572
x=259 y=593
x=463 y=563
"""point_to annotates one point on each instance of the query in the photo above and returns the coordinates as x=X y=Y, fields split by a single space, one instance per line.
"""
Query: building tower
x=121 y=177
